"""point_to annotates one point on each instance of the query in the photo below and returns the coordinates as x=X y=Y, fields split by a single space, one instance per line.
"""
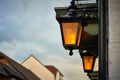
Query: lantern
x=88 y=61
x=71 y=32
x=71 y=26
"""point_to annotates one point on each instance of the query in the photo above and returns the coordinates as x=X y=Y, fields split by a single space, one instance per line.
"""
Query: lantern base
x=70 y=53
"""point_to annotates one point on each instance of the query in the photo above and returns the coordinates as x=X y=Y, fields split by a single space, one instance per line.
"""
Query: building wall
x=59 y=76
x=38 y=69
x=114 y=40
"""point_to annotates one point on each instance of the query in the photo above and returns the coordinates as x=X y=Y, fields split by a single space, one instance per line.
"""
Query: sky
x=29 y=27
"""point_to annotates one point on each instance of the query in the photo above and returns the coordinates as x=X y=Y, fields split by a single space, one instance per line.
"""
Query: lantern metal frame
x=71 y=46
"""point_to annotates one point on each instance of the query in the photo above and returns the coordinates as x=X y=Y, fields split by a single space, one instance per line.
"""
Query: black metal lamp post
x=88 y=60
x=71 y=26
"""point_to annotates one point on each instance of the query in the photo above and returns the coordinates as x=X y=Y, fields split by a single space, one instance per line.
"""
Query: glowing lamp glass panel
x=80 y=34
x=72 y=32
x=88 y=62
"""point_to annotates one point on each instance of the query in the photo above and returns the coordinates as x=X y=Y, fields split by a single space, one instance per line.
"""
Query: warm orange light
x=70 y=32
x=72 y=38
x=88 y=61
x=87 y=66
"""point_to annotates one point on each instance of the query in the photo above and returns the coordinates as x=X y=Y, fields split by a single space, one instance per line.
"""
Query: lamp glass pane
x=88 y=61
x=70 y=32
x=80 y=34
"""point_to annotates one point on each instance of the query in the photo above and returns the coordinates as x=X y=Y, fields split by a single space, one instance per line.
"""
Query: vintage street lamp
x=88 y=60
x=71 y=26
x=76 y=36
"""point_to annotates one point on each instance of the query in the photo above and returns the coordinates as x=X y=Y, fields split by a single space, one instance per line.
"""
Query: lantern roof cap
x=87 y=53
